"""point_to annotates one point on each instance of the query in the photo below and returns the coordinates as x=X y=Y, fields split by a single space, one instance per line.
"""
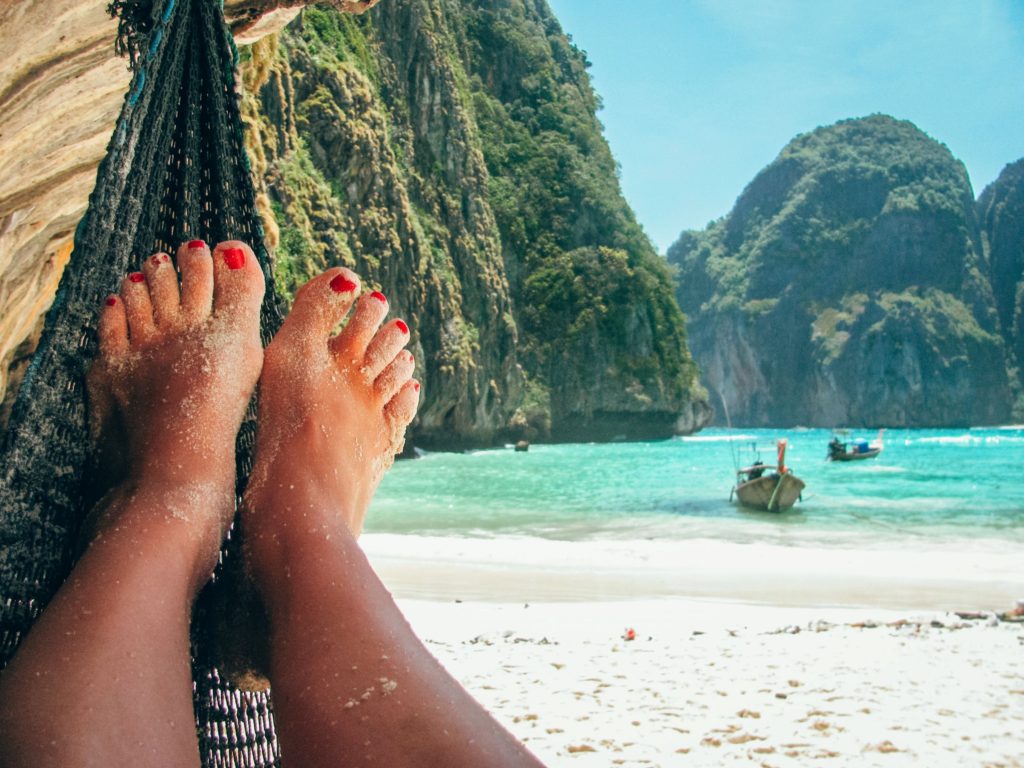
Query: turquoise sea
x=928 y=487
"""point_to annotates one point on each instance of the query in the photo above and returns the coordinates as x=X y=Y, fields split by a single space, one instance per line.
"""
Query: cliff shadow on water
x=449 y=152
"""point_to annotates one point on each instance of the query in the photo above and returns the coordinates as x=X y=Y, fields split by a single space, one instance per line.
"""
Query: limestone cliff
x=398 y=143
x=447 y=149
x=848 y=286
x=1001 y=215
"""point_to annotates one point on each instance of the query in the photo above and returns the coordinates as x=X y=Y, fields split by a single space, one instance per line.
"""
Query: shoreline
x=757 y=654
x=529 y=569
x=826 y=637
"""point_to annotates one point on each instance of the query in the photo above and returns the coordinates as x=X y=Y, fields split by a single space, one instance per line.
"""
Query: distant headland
x=858 y=282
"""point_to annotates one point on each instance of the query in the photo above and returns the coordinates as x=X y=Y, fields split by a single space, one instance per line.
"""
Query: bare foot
x=106 y=668
x=177 y=366
x=352 y=683
x=333 y=410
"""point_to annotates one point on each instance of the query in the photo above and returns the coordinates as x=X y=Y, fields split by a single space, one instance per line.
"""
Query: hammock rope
x=175 y=169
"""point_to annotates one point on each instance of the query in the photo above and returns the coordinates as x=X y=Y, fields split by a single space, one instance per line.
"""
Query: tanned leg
x=103 y=678
x=352 y=684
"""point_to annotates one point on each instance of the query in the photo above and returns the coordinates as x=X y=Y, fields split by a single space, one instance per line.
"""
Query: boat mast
x=782 y=456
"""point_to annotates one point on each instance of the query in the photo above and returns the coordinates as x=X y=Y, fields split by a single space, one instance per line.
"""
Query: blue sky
x=699 y=95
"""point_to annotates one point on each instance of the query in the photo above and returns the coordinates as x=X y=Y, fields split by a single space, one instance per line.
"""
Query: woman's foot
x=176 y=368
x=104 y=676
x=352 y=683
x=333 y=413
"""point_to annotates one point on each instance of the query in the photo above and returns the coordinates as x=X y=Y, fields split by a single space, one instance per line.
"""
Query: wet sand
x=906 y=575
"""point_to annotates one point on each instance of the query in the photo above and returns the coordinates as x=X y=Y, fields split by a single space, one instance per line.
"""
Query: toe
x=395 y=375
x=163 y=289
x=138 y=308
x=366 y=319
x=238 y=283
x=113 y=328
x=319 y=306
x=385 y=345
x=401 y=409
x=196 y=281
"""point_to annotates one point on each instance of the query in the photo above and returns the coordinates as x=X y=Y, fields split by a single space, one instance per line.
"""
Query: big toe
x=238 y=283
x=320 y=305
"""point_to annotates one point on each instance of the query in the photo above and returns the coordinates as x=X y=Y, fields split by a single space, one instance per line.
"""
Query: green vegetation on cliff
x=581 y=265
x=450 y=152
x=849 y=285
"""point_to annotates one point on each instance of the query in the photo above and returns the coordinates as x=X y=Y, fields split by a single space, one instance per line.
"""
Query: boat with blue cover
x=856 y=449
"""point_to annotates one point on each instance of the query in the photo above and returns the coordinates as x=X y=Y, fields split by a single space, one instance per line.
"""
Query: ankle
x=285 y=523
x=176 y=531
x=185 y=459
x=307 y=484
x=300 y=507
x=299 y=560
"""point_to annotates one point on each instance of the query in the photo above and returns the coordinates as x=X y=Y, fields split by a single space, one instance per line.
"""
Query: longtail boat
x=854 y=450
x=772 y=489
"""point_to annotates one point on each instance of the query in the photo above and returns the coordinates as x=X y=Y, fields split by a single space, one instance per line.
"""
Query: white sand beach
x=758 y=673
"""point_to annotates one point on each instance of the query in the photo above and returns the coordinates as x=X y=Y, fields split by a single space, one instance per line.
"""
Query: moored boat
x=772 y=489
x=854 y=450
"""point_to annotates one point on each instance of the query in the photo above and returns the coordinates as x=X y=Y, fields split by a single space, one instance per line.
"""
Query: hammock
x=175 y=169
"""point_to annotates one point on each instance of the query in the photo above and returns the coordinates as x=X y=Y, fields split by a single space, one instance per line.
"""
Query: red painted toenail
x=157 y=258
x=136 y=277
x=400 y=325
x=234 y=258
x=196 y=245
x=342 y=284
x=111 y=301
x=416 y=386
x=380 y=297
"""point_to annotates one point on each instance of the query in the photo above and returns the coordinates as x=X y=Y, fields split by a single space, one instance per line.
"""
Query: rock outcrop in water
x=848 y=286
x=449 y=152
x=1001 y=214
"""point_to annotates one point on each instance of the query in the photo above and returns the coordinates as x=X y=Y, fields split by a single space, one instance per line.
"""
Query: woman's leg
x=104 y=677
x=352 y=684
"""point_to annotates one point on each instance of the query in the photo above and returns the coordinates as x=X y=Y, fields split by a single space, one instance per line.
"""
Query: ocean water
x=929 y=489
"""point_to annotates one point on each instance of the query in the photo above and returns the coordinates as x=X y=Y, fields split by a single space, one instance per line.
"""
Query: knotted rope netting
x=175 y=169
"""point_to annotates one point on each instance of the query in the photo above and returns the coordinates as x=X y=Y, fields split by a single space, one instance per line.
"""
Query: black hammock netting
x=175 y=169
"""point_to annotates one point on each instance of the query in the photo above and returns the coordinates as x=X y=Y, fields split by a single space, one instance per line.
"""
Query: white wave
x=715 y=438
x=946 y=440
x=967 y=440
